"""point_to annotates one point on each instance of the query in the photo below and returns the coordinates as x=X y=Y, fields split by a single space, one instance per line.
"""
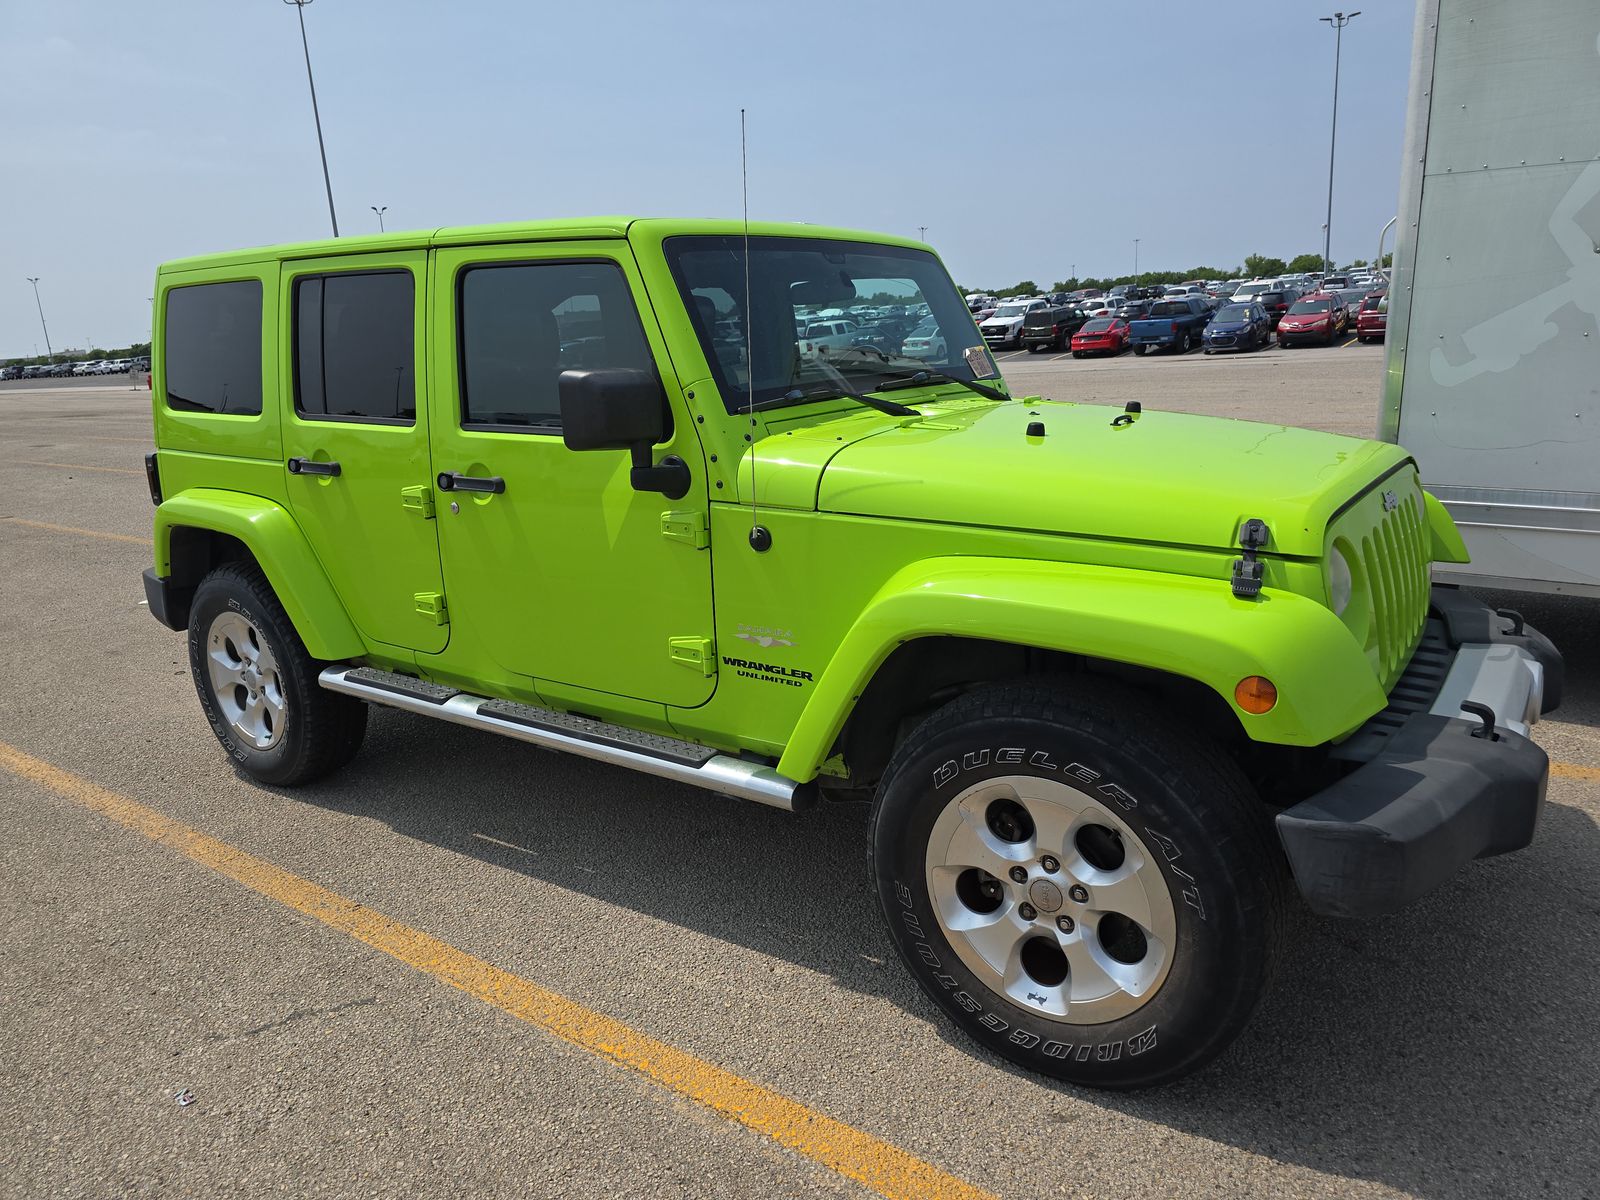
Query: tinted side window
x=522 y=324
x=213 y=347
x=353 y=347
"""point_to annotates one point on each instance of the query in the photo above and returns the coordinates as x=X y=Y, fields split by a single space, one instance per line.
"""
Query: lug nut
x=1027 y=911
x=1066 y=924
x=1079 y=893
x=1019 y=875
x=1050 y=864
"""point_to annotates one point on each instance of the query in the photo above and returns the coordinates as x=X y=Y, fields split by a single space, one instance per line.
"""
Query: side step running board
x=668 y=758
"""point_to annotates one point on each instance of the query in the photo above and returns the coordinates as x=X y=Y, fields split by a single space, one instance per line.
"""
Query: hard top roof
x=567 y=229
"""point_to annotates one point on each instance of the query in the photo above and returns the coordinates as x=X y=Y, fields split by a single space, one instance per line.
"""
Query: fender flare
x=1179 y=624
x=280 y=548
x=1445 y=543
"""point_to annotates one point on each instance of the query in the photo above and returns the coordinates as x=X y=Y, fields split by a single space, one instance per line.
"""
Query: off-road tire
x=321 y=731
x=1199 y=824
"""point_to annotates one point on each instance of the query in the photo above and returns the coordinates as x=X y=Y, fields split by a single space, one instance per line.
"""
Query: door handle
x=450 y=481
x=309 y=466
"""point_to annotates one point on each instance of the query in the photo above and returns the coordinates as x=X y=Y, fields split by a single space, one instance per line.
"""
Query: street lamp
x=1135 y=262
x=380 y=212
x=300 y=7
x=34 y=279
x=1337 y=22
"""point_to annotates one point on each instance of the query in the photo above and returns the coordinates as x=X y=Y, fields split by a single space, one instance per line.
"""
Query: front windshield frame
x=865 y=367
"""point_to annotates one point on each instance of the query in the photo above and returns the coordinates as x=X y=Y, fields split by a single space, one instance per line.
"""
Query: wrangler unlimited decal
x=768 y=672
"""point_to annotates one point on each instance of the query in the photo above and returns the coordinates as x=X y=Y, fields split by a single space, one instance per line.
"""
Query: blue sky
x=1027 y=137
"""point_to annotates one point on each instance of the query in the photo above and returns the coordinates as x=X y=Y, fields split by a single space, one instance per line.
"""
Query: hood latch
x=1247 y=571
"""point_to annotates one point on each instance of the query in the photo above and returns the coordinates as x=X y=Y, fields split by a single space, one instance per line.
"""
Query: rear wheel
x=1084 y=888
x=1077 y=354
x=1140 y=350
x=1184 y=344
x=258 y=685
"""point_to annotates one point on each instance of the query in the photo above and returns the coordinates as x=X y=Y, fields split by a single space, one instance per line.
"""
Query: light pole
x=1337 y=22
x=1135 y=262
x=922 y=233
x=300 y=7
x=34 y=279
x=380 y=212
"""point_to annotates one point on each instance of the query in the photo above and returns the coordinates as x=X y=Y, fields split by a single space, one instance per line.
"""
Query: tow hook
x=1485 y=714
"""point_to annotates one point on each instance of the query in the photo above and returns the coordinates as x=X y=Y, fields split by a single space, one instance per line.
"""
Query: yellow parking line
x=94 y=533
x=39 y=462
x=1565 y=770
x=878 y=1165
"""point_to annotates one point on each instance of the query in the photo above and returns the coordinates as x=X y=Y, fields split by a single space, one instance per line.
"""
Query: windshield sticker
x=980 y=362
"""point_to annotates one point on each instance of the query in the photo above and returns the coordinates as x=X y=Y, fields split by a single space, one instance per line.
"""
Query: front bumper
x=1436 y=786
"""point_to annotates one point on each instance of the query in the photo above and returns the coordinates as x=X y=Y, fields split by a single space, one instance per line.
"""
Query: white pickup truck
x=1004 y=328
x=826 y=337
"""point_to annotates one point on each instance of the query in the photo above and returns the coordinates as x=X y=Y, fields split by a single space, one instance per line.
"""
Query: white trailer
x=1493 y=357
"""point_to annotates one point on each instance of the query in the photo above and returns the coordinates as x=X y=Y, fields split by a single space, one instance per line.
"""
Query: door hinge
x=687 y=527
x=431 y=605
x=697 y=653
x=417 y=499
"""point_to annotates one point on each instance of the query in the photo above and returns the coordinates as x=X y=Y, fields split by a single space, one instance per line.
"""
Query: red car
x=1372 y=319
x=1103 y=335
x=1318 y=317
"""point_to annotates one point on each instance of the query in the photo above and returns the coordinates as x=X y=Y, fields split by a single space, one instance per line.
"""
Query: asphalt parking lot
x=463 y=966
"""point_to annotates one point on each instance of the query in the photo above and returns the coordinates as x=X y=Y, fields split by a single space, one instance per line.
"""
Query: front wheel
x=258 y=685
x=1140 y=351
x=1081 y=885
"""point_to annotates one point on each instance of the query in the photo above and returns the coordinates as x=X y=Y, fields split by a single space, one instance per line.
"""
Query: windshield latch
x=1248 y=571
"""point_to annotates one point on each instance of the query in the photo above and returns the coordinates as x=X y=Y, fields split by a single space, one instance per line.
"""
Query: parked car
x=1319 y=317
x=1277 y=301
x=1005 y=327
x=1051 y=328
x=1174 y=324
x=826 y=337
x=1102 y=335
x=1247 y=292
x=926 y=342
x=1372 y=318
x=1333 y=282
x=1238 y=327
x=1133 y=310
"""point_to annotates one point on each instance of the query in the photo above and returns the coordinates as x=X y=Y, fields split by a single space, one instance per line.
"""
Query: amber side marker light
x=1255 y=694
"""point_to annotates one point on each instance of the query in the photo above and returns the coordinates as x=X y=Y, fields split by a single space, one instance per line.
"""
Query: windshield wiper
x=918 y=378
x=800 y=396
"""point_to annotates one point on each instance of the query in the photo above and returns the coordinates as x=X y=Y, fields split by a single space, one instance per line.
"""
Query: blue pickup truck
x=1174 y=323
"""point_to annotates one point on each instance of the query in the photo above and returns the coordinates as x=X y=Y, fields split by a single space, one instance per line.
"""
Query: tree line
x=1256 y=266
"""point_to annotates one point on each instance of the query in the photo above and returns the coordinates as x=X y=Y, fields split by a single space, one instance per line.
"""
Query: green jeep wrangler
x=1113 y=681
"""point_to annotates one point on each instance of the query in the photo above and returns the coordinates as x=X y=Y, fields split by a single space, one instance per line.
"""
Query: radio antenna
x=760 y=538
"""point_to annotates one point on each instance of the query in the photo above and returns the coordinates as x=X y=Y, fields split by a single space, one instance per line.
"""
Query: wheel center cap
x=1045 y=895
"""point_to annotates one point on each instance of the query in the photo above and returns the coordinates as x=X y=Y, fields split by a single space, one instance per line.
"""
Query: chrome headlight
x=1340 y=581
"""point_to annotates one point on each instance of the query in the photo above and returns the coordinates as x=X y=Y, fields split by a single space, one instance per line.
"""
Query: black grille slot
x=1412 y=693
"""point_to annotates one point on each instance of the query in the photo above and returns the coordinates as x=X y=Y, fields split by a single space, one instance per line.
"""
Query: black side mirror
x=617 y=408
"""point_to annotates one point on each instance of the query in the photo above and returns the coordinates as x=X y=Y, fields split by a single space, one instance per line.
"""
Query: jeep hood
x=1166 y=477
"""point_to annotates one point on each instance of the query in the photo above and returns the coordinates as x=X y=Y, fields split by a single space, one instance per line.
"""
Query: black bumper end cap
x=168 y=604
x=1398 y=827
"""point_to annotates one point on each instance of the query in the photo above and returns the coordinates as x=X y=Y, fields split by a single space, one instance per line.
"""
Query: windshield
x=1234 y=312
x=1251 y=289
x=1010 y=310
x=1303 y=307
x=794 y=280
x=1099 y=325
x=1173 y=308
